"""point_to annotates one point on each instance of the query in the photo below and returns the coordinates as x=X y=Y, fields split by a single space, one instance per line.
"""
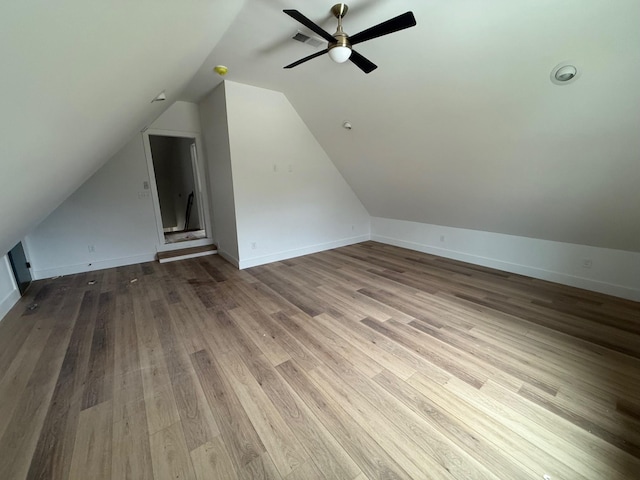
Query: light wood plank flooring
x=364 y=362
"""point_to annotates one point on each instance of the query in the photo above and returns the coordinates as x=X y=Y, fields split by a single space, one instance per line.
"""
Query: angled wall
x=110 y=220
x=614 y=272
x=78 y=79
x=290 y=199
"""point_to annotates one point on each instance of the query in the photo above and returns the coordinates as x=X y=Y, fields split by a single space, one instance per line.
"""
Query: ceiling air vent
x=314 y=42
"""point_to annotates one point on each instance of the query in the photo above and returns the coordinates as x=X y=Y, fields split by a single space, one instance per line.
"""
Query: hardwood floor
x=363 y=362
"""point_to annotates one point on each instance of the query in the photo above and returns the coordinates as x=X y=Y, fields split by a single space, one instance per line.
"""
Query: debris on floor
x=91 y=282
x=133 y=280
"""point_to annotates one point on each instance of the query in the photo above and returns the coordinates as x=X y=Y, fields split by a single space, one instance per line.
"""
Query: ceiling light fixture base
x=339 y=10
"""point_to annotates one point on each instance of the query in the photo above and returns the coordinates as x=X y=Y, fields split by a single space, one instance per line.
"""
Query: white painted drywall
x=614 y=272
x=290 y=200
x=180 y=117
x=460 y=125
x=111 y=212
x=9 y=293
x=213 y=115
x=77 y=81
x=106 y=212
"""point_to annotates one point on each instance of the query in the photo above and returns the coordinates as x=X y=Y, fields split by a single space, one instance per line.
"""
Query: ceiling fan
x=340 y=44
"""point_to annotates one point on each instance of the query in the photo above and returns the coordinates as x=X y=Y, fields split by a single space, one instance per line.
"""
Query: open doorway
x=20 y=267
x=180 y=202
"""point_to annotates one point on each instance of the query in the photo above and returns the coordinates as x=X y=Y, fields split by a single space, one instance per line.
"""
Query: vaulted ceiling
x=77 y=82
x=460 y=125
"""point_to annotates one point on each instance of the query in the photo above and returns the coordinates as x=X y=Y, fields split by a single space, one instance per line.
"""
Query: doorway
x=176 y=177
x=20 y=267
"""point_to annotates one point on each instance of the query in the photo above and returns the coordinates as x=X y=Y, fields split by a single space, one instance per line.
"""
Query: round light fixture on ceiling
x=340 y=54
x=564 y=73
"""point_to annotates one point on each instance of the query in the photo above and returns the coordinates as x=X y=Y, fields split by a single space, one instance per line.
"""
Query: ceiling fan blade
x=306 y=59
x=296 y=15
x=395 y=24
x=364 y=64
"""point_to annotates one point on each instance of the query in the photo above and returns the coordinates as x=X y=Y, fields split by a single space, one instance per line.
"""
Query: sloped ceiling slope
x=77 y=82
x=461 y=125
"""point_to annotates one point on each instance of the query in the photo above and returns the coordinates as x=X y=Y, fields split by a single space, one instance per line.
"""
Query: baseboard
x=298 y=252
x=99 y=265
x=229 y=258
x=530 y=271
x=8 y=303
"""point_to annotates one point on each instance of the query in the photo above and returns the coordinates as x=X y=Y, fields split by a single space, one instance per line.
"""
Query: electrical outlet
x=587 y=263
x=442 y=238
x=275 y=167
x=145 y=185
x=253 y=245
x=92 y=248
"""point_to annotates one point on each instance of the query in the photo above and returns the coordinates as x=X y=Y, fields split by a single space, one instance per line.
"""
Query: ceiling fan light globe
x=340 y=54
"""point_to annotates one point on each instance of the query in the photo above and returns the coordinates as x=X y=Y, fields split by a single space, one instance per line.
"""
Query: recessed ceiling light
x=564 y=73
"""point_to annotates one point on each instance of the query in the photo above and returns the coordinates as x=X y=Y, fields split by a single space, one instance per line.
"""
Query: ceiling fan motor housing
x=342 y=40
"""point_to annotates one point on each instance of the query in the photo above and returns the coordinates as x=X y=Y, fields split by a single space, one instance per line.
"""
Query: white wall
x=110 y=212
x=181 y=117
x=9 y=294
x=213 y=115
x=290 y=199
x=614 y=272
x=77 y=82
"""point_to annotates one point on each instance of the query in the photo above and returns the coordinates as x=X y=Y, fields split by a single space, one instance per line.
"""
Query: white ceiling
x=77 y=81
x=460 y=125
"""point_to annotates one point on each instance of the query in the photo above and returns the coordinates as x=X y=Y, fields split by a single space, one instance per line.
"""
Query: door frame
x=199 y=179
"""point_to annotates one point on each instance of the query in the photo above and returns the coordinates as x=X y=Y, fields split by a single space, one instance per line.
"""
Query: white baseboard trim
x=229 y=258
x=190 y=255
x=8 y=302
x=298 y=252
x=99 y=265
x=530 y=271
